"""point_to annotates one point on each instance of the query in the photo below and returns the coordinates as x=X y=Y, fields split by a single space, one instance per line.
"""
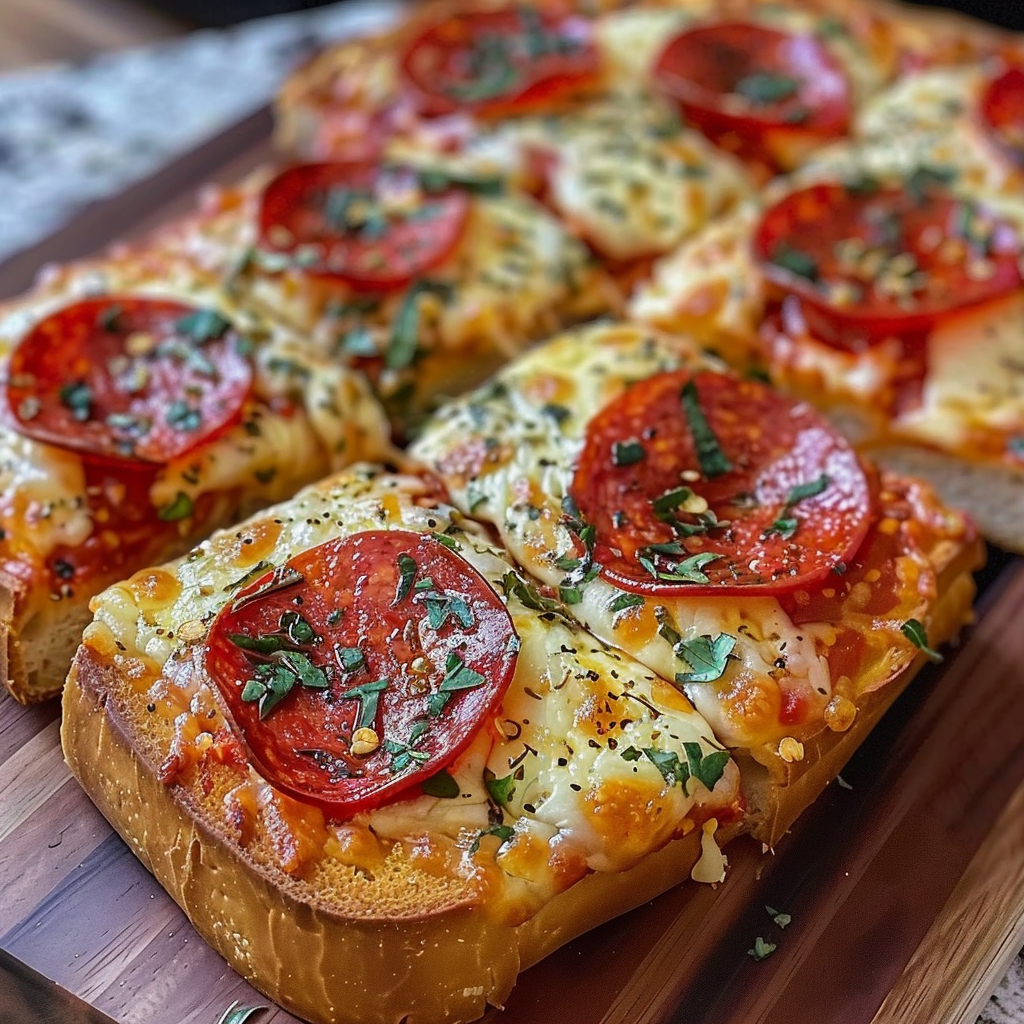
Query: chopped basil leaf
x=762 y=88
x=276 y=679
x=784 y=527
x=559 y=413
x=570 y=594
x=351 y=659
x=406 y=575
x=503 y=832
x=667 y=503
x=434 y=179
x=631 y=754
x=667 y=631
x=247 y=578
x=403 y=755
x=713 y=461
x=459 y=676
x=441 y=608
x=686 y=571
x=109 y=318
x=441 y=785
x=181 y=416
x=673 y=771
x=284 y=576
x=78 y=398
x=811 y=489
x=203 y=325
x=298 y=630
x=181 y=508
x=761 y=950
x=501 y=790
x=915 y=632
x=338 y=205
x=624 y=601
x=404 y=341
x=359 y=341
x=447 y=541
x=305 y=671
x=516 y=587
x=627 y=453
x=926 y=179
x=706 y=656
x=369 y=695
x=796 y=261
x=782 y=920
x=706 y=768
x=259 y=644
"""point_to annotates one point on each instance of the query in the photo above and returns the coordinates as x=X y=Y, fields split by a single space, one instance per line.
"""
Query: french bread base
x=993 y=496
x=447 y=966
x=778 y=791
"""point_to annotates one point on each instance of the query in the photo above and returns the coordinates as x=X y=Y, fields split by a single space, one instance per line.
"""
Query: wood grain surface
x=906 y=890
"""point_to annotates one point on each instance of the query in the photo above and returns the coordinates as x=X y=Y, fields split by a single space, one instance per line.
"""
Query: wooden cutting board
x=906 y=890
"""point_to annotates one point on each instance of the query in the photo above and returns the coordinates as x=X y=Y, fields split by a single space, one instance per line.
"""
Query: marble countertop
x=70 y=134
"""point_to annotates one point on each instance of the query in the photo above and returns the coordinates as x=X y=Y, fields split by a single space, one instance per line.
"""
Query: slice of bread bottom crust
x=314 y=957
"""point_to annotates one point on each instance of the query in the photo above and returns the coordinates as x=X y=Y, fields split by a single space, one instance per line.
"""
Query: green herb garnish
x=203 y=325
x=406 y=574
x=915 y=632
x=627 y=453
x=762 y=88
x=77 y=397
x=713 y=461
x=441 y=785
x=706 y=656
x=181 y=508
x=404 y=341
x=369 y=696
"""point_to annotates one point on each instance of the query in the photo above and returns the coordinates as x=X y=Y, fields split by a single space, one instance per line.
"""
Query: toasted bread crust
x=306 y=952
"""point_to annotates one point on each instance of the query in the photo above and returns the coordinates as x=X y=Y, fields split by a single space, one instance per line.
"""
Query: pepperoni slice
x=867 y=262
x=747 y=86
x=370 y=227
x=703 y=483
x=362 y=667
x=128 y=379
x=501 y=63
x=1002 y=112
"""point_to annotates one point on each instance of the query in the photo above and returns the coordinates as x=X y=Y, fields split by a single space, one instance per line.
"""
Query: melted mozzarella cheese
x=709 y=286
x=573 y=709
x=975 y=376
x=630 y=41
x=514 y=275
x=505 y=456
x=629 y=179
x=44 y=501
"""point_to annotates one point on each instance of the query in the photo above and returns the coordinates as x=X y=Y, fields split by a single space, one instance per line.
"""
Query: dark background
x=1009 y=13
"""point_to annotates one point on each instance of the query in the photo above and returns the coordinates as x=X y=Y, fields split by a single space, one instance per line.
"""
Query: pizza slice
x=422 y=278
x=883 y=283
x=142 y=409
x=726 y=536
x=380 y=775
x=766 y=81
